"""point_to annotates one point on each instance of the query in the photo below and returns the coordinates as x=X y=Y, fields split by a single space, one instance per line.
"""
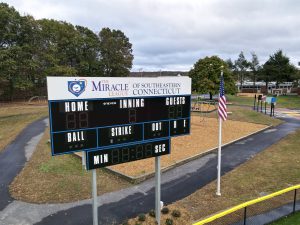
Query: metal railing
x=262 y=210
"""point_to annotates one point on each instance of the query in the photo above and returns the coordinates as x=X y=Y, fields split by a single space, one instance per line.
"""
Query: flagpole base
x=218 y=193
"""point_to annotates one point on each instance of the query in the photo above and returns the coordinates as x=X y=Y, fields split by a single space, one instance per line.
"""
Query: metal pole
x=83 y=159
x=271 y=108
x=157 y=189
x=265 y=107
x=219 y=159
x=94 y=192
x=254 y=102
x=245 y=215
x=295 y=198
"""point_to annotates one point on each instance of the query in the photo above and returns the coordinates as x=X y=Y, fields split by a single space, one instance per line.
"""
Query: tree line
x=277 y=68
x=32 y=49
x=205 y=73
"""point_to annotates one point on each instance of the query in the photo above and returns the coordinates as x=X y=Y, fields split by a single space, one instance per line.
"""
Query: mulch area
x=204 y=136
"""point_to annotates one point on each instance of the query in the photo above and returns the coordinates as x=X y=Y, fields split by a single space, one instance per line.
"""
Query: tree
x=115 y=53
x=58 y=48
x=17 y=48
x=278 y=68
x=205 y=76
x=10 y=21
x=230 y=64
x=32 y=49
x=241 y=65
x=255 y=67
x=88 y=52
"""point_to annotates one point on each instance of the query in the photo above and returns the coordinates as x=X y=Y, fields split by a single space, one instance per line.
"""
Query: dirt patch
x=204 y=136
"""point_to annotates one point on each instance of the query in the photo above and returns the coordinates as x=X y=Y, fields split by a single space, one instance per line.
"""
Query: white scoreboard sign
x=117 y=120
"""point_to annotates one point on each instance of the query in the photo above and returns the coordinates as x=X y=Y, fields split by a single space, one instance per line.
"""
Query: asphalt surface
x=117 y=206
x=12 y=159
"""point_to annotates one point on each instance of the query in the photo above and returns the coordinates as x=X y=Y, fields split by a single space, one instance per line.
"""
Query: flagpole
x=219 y=153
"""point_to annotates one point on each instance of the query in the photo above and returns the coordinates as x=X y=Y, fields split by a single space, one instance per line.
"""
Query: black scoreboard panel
x=82 y=114
x=179 y=127
x=120 y=134
x=67 y=142
x=96 y=124
x=113 y=156
x=156 y=129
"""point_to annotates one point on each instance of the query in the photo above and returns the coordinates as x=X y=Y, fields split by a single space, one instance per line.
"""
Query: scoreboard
x=117 y=120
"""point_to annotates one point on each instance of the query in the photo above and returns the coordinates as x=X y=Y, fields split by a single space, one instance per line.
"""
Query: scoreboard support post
x=157 y=189
x=83 y=158
x=94 y=192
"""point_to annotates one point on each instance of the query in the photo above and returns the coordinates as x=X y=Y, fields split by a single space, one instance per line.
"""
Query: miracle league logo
x=117 y=89
x=77 y=87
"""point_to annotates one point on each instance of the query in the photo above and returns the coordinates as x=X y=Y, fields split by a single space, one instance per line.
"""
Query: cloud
x=174 y=34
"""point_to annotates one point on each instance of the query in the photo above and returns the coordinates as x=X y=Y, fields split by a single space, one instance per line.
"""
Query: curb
x=139 y=179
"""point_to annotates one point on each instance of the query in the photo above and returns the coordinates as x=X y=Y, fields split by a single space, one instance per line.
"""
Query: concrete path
x=116 y=206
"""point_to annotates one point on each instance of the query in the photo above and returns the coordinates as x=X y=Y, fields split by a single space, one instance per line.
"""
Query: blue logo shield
x=76 y=87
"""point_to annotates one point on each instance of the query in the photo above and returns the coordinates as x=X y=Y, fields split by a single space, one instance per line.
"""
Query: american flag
x=222 y=101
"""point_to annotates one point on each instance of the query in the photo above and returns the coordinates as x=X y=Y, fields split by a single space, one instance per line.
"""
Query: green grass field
x=290 y=102
x=243 y=114
x=292 y=219
x=15 y=117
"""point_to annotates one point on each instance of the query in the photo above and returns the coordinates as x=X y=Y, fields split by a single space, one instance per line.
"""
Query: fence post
x=295 y=198
x=265 y=107
x=245 y=215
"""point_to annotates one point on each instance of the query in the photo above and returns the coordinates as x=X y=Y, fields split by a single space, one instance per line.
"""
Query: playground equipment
x=39 y=99
x=204 y=106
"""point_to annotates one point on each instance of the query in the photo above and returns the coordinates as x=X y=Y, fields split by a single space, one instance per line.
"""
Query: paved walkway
x=116 y=206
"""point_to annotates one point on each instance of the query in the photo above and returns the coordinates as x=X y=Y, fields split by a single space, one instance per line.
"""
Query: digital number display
x=113 y=156
x=81 y=114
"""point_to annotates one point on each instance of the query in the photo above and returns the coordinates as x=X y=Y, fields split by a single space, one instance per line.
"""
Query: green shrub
x=176 y=213
x=142 y=217
x=169 y=221
x=165 y=210
x=152 y=213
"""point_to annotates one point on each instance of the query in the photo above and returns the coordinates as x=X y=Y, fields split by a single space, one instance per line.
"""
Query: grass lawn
x=15 y=117
x=244 y=115
x=47 y=179
x=289 y=220
x=290 y=102
x=275 y=168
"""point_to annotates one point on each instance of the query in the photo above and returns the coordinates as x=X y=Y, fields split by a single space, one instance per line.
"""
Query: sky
x=173 y=34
